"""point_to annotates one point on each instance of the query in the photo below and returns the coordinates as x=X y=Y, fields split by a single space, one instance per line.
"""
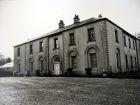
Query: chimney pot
x=76 y=19
x=100 y=16
x=61 y=24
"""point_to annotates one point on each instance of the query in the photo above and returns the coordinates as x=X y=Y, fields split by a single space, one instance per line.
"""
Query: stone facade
x=84 y=44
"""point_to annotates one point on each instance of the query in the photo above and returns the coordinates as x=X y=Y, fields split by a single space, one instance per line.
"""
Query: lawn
x=69 y=91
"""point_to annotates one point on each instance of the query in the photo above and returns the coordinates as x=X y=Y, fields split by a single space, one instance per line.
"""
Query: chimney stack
x=76 y=19
x=61 y=24
x=99 y=16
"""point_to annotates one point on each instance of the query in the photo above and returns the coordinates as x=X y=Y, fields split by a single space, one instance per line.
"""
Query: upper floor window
x=55 y=43
x=129 y=43
x=91 y=35
x=124 y=38
x=134 y=45
x=116 y=36
x=41 y=46
x=18 y=52
x=31 y=49
x=72 y=39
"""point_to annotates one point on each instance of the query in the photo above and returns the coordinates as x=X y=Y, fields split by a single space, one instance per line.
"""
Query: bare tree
x=8 y=60
x=4 y=60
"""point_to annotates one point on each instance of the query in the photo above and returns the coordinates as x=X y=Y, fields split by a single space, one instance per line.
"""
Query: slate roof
x=72 y=26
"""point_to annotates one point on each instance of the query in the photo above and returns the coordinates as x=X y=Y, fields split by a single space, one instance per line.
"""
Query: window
x=18 y=67
x=124 y=38
x=18 y=52
x=41 y=46
x=118 y=59
x=31 y=66
x=116 y=36
x=72 y=39
x=131 y=60
x=73 y=59
x=91 y=35
x=55 y=43
x=135 y=62
x=126 y=60
x=93 y=60
x=41 y=65
x=129 y=43
x=31 y=49
x=134 y=45
x=73 y=62
x=139 y=46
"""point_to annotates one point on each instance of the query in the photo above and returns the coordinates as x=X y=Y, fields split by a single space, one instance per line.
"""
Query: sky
x=21 y=20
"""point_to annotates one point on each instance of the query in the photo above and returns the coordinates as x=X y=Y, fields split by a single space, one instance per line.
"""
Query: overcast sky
x=23 y=19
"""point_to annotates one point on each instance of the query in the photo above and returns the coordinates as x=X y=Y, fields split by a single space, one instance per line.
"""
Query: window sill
x=72 y=44
x=91 y=41
x=55 y=48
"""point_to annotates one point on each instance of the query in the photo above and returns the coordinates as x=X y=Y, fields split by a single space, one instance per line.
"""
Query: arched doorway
x=56 y=65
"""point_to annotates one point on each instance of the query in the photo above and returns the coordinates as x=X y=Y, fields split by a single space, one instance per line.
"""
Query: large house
x=97 y=44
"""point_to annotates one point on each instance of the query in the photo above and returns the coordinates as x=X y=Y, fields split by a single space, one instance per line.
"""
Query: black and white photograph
x=69 y=52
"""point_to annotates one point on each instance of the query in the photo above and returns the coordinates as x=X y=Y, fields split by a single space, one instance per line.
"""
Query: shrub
x=70 y=71
x=38 y=72
x=88 y=72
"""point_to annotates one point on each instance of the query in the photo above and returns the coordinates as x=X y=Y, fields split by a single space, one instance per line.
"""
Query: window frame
x=116 y=36
x=71 y=39
x=134 y=45
x=56 y=46
x=129 y=40
x=31 y=49
x=41 y=45
x=124 y=39
x=126 y=60
x=91 y=34
x=18 y=52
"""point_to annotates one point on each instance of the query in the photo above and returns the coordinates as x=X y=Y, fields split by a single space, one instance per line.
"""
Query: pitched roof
x=88 y=21
x=63 y=29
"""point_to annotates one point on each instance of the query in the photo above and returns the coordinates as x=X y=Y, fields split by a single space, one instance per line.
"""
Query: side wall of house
x=124 y=50
x=138 y=52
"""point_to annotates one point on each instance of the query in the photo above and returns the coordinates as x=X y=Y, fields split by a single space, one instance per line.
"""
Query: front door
x=57 y=68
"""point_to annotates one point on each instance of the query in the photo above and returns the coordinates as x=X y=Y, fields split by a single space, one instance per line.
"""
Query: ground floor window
x=19 y=67
x=41 y=65
x=126 y=60
x=31 y=66
x=131 y=61
x=93 y=60
x=73 y=62
x=118 y=59
x=135 y=62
